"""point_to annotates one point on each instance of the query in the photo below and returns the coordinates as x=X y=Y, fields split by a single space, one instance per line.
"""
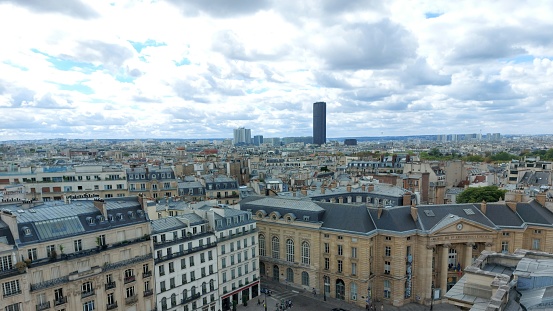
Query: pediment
x=453 y=224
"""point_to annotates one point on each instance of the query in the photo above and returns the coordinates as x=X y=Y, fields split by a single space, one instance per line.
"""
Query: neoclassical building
x=396 y=254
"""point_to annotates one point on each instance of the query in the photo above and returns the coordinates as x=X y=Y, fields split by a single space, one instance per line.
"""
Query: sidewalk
x=319 y=304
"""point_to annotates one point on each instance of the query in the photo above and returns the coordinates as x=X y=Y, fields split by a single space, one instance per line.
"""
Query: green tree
x=479 y=194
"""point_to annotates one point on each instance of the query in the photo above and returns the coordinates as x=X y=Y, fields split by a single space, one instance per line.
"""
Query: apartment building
x=398 y=254
x=185 y=263
x=222 y=188
x=80 y=255
x=152 y=182
x=238 y=262
x=80 y=181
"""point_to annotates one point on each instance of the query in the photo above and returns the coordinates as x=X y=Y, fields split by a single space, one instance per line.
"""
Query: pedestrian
x=382 y=307
x=258 y=301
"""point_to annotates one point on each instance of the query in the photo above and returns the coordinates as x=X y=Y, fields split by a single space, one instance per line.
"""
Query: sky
x=199 y=69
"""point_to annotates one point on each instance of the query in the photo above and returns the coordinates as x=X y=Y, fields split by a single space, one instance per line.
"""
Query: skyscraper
x=319 y=123
x=242 y=136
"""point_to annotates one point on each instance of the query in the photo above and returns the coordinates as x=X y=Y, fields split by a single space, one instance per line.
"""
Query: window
x=11 y=288
x=505 y=247
x=13 y=307
x=202 y=257
x=172 y=283
x=275 y=247
x=353 y=291
x=162 y=286
x=326 y=235
x=388 y=238
x=386 y=267
x=305 y=256
x=387 y=289
x=340 y=250
x=78 y=245
x=32 y=254
x=262 y=245
x=191 y=261
x=340 y=266
x=171 y=267
x=50 y=249
x=129 y=291
x=537 y=231
x=222 y=249
x=101 y=240
x=388 y=251
x=536 y=244
x=327 y=263
x=88 y=306
x=354 y=252
x=6 y=263
x=353 y=268
x=111 y=299
x=289 y=250
x=145 y=268
x=161 y=269
x=505 y=233
x=305 y=278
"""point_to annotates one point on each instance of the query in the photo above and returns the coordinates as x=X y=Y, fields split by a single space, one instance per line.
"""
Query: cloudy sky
x=198 y=69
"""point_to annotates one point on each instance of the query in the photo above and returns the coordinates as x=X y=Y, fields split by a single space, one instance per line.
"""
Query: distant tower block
x=319 y=123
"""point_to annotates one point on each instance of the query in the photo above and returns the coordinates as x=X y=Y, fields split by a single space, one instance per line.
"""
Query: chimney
x=341 y=200
x=348 y=188
x=512 y=205
x=518 y=197
x=380 y=211
x=483 y=207
x=370 y=188
x=100 y=204
x=363 y=188
x=540 y=198
x=11 y=220
x=414 y=212
x=322 y=189
x=406 y=199
x=303 y=191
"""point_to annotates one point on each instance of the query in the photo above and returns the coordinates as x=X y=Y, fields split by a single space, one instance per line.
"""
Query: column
x=428 y=272
x=468 y=254
x=444 y=270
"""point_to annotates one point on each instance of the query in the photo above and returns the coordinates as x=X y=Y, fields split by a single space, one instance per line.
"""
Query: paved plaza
x=305 y=301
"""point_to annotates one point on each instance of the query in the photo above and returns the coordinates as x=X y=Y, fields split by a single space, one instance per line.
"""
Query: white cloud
x=195 y=69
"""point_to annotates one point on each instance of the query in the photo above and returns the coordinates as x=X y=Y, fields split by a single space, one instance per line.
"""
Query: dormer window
x=119 y=216
x=130 y=214
x=110 y=217
x=90 y=221
x=26 y=231
x=100 y=218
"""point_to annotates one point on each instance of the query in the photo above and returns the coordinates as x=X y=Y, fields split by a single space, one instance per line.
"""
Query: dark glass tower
x=319 y=123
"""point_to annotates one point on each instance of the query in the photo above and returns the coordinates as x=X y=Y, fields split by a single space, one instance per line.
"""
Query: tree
x=479 y=194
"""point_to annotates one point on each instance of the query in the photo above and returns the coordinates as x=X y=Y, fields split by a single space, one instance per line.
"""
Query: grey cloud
x=420 y=73
x=483 y=90
x=135 y=73
x=20 y=96
x=367 y=94
x=144 y=99
x=187 y=91
x=221 y=8
x=73 y=8
x=110 y=55
x=486 y=44
x=48 y=102
x=368 y=46
x=330 y=80
x=227 y=43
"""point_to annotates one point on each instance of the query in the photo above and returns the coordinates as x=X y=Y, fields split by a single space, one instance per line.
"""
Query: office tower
x=242 y=136
x=258 y=140
x=319 y=123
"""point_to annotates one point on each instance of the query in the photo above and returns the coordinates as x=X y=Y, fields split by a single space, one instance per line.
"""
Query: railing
x=10 y=272
x=60 y=301
x=147 y=274
x=87 y=294
x=190 y=298
x=43 y=306
x=148 y=292
x=131 y=300
x=235 y=235
x=129 y=279
x=110 y=285
x=12 y=293
x=160 y=244
x=184 y=252
x=111 y=306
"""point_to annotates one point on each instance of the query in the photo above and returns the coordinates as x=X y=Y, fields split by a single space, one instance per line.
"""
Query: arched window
x=305 y=258
x=184 y=294
x=452 y=258
x=262 y=251
x=204 y=288
x=290 y=275
x=164 y=303
x=305 y=278
x=340 y=289
x=193 y=291
x=173 y=300
x=275 y=247
x=290 y=250
x=211 y=285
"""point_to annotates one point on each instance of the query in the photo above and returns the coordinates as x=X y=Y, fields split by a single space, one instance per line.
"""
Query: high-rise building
x=242 y=136
x=258 y=140
x=319 y=123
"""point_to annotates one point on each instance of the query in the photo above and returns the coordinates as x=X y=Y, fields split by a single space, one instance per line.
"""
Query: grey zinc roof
x=291 y=203
x=502 y=215
x=55 y=228
x=166 y=224
x=394 y=219
x=533 y=212
x=347 y=217
x=442 y=211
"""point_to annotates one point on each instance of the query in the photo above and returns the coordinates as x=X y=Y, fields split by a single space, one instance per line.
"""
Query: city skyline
x=194 y=70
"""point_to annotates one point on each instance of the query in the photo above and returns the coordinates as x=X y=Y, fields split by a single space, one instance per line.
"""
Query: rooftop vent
x=429 y=213
x=468 y=211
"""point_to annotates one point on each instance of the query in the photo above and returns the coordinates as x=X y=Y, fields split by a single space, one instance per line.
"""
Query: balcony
x=187 y=251
x=160 y=244
x=148 y=292
x=43 y=306
x=60 y=301
x=129 y=279
x=111 y=306
x=131 y=300
x=190 y=298
x=110 y=285
x=87 y=294
x=147 y=274
x=12 y=293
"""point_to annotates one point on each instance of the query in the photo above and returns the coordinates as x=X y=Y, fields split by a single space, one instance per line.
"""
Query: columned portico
x=444 y=269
